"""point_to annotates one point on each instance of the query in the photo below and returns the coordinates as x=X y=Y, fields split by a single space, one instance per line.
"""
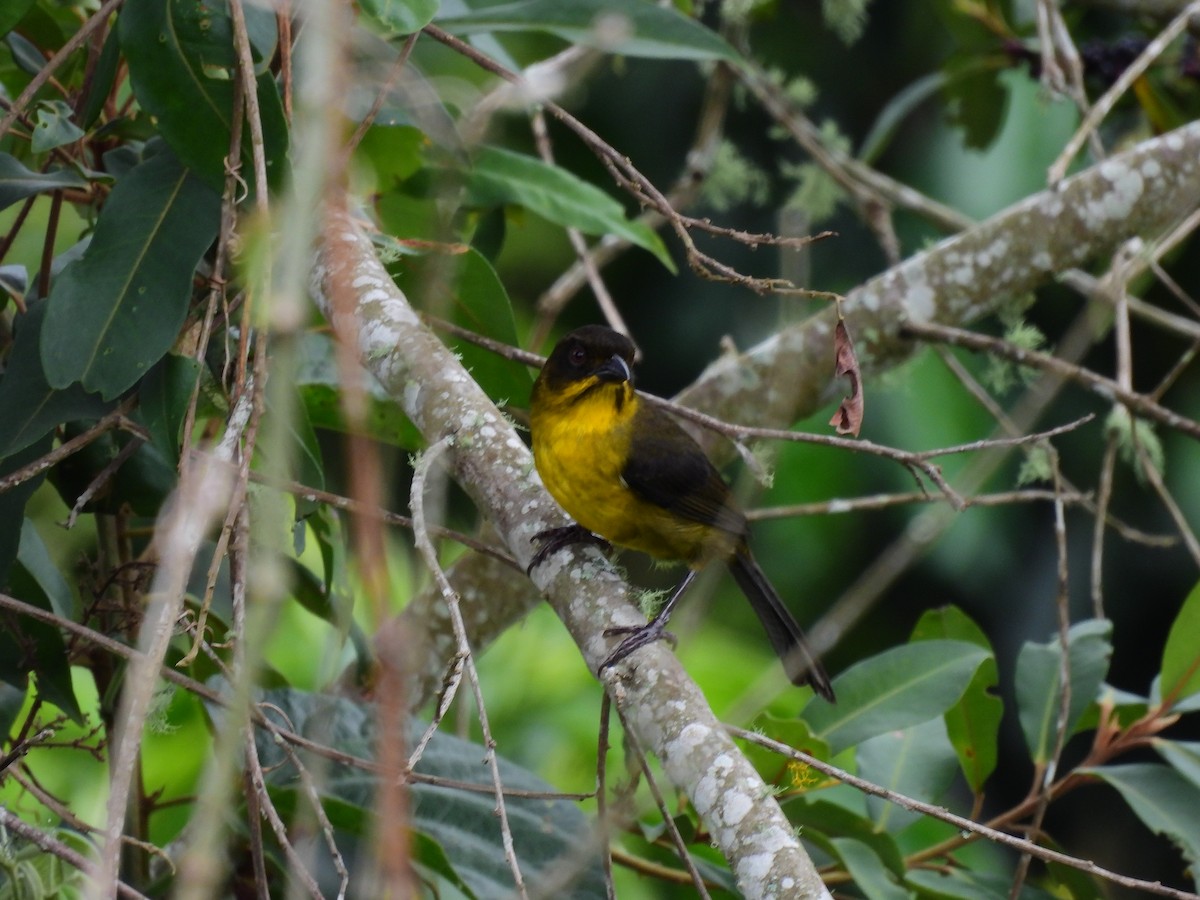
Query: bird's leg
x=654 y=630
x=554 y=539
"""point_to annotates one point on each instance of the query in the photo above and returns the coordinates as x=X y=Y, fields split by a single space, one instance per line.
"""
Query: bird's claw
x=551 y=540
x=638 y=636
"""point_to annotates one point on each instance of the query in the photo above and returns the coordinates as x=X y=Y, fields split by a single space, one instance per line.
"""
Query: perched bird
x=626 y=472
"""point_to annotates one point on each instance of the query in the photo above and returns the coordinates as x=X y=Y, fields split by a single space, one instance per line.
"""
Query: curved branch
x=663 y=706
x=1138 y=193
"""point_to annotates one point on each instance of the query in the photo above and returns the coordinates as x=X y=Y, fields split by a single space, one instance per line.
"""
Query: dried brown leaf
x=849 y=415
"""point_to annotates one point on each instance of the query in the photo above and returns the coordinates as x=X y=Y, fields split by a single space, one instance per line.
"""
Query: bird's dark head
x=589 y=356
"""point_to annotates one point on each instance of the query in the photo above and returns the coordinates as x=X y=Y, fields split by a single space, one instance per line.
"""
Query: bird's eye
x=577 y=356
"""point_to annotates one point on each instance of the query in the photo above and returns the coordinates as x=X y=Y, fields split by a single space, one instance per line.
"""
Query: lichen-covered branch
x=1139 y=193
x=667 y=710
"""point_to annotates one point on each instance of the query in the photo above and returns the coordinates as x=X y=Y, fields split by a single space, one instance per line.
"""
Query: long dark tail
x=784 y=632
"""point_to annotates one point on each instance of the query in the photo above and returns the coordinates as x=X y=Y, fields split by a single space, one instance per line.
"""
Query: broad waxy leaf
x=1164 y=800
x=543 y=831
x=30 y=646
x=11 y=12
x=503 y=177
x=163 y=399
x=183 y=71
x=18 y=182
x=973 y=724
x=53 y=126
x=12 y=505
x=1183 y=756
x=901 y=687
x=950 y=883
x=29 y=407
x=627 y=27
x=870 y=875
x=917 y=762
x=1180 y=676
x=1039 y=684
x=116 y=311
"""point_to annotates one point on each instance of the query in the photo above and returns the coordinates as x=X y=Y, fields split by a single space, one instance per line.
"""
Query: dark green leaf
x=34 y=556
x=102 y=80
x=502 y=177
x=183 y=72
x=12 y=504
x=29 y=407
x=1180 y=676
x=900 y=687
x=163 y=400
x=401 y=16
x=12 y=700
x=973 y=724
x=544 y=832
x=1039 y=684
x=27 y=56
x=117 y=311
x=18 y=182
x=53 y=126
x=1183 y=756
x=1163 y=799
x=950 y=883
x=976 y=98
x=626 y=27
x=28 y=646
x=870 y=875
x=11 y=12
x=824 y=821
x=918 y=762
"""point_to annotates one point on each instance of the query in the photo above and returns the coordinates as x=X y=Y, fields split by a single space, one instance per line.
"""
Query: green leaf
x=973 y=724
x=401 y=16
x=18 y=182
x=183 y=72
x=53 y=126
x=1180 y=676
x=34 y=556
x=823 y=821
x=163 y=399
x=503 y=177
x=900 y=687
x=1183 y=756
x=28 y=58
x=12 y=505
x=480 y=304
x=544 y=832
x=28 y=646
x=116 y=311
x=29 y=407
x=949 y=883
x=12 y=701
x=918 y=762
x=626 y=27
x=870 y=875
x=12 y=12
x=102 y=80
x=1163 y=799
x=1039 y=685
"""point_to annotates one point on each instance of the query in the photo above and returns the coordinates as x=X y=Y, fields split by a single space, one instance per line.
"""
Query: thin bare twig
x=1098 y=384
x=429 y=555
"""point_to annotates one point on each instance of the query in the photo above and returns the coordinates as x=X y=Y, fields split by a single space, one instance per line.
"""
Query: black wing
x=667 y=468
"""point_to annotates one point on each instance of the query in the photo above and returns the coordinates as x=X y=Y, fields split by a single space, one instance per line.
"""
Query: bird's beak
x=615 y=370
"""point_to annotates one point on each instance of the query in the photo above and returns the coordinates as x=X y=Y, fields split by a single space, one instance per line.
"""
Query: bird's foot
x=638 y=636
x=554 y=539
